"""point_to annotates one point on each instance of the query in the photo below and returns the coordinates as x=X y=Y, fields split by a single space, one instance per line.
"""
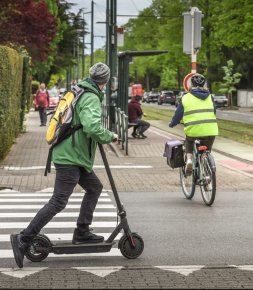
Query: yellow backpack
x=60 y=125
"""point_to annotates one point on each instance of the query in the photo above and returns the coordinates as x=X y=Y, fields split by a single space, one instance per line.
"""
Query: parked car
x=144 y=97
x=220 y=100
x=152 y=97
x=62 y=91
x=179 y=97
x=53 y=98
x=168 y=97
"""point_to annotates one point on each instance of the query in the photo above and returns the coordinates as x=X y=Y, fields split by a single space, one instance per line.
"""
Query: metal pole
x=193 y=53
x=83 y=61
x=78 y=58
x=92 y=34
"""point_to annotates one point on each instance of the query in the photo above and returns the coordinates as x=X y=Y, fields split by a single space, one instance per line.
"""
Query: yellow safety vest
x=199 y=118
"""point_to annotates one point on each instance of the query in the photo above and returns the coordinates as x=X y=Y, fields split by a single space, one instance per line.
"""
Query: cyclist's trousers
x=207 y=141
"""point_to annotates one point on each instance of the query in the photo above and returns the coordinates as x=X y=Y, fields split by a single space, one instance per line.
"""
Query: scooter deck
x=67 y=248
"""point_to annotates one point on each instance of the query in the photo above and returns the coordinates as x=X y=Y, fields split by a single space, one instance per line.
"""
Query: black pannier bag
x=174 y=153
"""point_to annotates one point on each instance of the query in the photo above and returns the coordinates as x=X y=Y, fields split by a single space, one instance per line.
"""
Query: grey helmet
x=100 y=73
x=198 y=80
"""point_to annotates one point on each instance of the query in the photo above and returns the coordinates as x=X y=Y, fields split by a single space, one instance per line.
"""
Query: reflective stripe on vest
x=199 y=122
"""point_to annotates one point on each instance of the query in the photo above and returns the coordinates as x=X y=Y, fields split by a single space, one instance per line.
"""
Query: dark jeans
x=43 y=115
x=67 y=177
x=207 y=141
x=142 y=126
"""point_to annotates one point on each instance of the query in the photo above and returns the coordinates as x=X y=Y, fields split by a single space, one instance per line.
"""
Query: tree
x=28 y=23
x=230 y=80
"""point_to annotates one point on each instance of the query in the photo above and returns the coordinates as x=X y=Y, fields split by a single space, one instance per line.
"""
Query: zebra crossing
x=17 y=209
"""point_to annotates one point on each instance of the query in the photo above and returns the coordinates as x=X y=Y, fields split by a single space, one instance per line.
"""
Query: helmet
x=100 y=73
x=198 y=80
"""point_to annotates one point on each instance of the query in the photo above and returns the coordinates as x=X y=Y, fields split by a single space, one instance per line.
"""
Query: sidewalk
x=144 y=169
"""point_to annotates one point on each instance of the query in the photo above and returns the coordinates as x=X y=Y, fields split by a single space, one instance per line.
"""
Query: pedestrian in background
x=135 y=114
x=74 y=165
x=42 y=102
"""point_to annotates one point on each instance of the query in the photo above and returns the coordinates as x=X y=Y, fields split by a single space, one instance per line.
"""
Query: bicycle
x=203 y=174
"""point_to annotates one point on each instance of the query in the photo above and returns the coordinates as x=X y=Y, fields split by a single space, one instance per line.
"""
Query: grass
x=237 y=131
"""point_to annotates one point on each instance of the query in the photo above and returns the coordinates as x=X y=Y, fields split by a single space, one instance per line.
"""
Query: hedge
x=14 y=93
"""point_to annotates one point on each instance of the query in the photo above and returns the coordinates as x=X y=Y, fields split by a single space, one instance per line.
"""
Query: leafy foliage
x=230 y=80
x=29 y=24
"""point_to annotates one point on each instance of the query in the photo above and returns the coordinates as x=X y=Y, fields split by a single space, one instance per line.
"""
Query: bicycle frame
x=197 y=168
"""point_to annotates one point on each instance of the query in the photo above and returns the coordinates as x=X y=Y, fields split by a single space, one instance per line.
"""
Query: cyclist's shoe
x=86 y=237
x=188 y=167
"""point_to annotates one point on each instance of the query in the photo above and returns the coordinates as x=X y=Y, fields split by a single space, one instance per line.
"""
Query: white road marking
x=39 y=194
x=61 y=214
x=245 y=267
x=39 y=206
x=184 y=270
x=57 y=225
x=99 y=271
x=25 y=200
x=18 y=168
x=21 y=273
x=168 y=135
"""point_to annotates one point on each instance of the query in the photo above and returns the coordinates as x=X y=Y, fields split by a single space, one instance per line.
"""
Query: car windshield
x=169 y=94
x=219 y=97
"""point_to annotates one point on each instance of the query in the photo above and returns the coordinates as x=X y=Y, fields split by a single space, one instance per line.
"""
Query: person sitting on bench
x=135 y=114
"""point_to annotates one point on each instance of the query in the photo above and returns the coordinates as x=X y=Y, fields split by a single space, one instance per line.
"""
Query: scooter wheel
x=127 y=250
x=35 y=255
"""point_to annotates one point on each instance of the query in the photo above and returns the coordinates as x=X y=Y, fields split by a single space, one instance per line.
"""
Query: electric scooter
x=131 y=245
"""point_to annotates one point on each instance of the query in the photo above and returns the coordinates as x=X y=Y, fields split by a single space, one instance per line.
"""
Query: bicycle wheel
x=208 y=183
x=187 y=183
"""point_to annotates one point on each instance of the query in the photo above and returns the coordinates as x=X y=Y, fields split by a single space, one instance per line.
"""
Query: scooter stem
x=109 y=174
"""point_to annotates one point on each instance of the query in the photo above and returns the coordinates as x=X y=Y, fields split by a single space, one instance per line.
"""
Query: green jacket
x=80 y=149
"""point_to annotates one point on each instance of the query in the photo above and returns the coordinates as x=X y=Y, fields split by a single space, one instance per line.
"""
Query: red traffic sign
x=187 y=81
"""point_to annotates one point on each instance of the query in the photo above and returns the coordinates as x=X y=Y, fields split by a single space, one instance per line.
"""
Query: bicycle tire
x=208 y=184
x=187 y=183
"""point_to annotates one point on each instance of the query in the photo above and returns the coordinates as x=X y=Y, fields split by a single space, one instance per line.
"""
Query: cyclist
x=198 y=112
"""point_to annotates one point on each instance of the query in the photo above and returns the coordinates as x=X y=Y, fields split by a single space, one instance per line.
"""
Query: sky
x=124 y=7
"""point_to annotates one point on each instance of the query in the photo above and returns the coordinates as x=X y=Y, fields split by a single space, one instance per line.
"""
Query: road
x=222 y=113
x=185 y=242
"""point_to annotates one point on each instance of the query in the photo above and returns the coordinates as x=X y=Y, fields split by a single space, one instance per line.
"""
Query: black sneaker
x=19 y=249
x=86 y=238
x=143 y=136
x=135 y=135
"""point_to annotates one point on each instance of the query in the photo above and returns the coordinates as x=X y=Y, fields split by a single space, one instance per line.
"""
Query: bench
x=132 y=125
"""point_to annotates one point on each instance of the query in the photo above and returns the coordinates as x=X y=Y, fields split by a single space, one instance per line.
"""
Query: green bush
x=11 y=98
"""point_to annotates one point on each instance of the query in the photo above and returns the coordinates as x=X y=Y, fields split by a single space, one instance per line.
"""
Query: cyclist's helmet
x=198 y=80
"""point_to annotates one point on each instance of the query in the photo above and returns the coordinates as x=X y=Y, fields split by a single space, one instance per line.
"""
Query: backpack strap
x=49 y=159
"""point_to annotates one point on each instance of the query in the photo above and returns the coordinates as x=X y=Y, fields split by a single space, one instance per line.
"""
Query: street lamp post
x=83 y=52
